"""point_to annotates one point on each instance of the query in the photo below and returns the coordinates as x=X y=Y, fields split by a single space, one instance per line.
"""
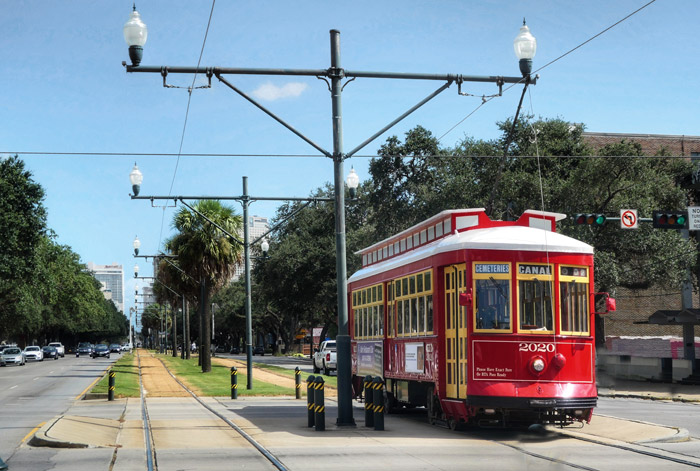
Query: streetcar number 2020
x=536 y=347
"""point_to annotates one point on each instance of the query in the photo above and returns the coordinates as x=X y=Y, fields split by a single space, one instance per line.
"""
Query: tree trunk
x=205 y=351
x=174 y=311
x=186 y=329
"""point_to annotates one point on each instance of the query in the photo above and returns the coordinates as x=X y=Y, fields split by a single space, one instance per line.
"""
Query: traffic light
x=670 y=219
x=589 y=219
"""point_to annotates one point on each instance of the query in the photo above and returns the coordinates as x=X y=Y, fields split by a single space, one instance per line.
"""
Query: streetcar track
x=151 y=462
x=147 y=424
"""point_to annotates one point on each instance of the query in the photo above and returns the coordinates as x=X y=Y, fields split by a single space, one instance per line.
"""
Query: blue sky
x=64 y=90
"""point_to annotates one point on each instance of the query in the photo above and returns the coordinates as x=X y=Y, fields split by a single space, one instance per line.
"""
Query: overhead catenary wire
x=488 y=99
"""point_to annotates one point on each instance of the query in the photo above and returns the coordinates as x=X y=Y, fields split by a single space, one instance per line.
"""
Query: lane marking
x=33 y=431
x=13 y=387
x=79 y=396
x=36 y=378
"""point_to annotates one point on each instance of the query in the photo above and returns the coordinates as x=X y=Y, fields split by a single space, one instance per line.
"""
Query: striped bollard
x=378 y=387
x=310 y=399
x=369 y=401
x=234 y=382
x=297 y=382
x=319 y=405
x=110 y=394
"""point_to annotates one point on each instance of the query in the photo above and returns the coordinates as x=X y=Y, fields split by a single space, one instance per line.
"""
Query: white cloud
x=270 y=92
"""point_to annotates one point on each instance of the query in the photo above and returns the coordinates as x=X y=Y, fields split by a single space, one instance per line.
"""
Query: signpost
x=629 y=219
x=694 y=218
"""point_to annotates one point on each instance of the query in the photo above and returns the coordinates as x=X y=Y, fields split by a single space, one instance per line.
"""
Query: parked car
x=59 y=347
x=33 y=352
x=84 y=348
x=259 y=350
x=101 y=350
x=2 y=361
x=14 y=355
x=50 y=352
x=235 y=350
x=115 y=348
x=126 y=347
x=325 y=358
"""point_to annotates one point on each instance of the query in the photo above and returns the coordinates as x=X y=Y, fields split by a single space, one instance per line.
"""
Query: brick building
x=651 y=143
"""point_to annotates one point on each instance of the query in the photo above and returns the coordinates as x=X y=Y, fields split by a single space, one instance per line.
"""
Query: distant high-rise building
x=112 y=279
x=257 y=226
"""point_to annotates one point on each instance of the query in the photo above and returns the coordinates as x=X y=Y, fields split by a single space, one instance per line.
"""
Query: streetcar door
x=455 y=332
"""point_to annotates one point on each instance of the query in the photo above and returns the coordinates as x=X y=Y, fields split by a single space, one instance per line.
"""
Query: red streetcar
x=482 y=322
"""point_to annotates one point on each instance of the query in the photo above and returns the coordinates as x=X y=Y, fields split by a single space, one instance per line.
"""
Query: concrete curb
x=648 y=396
x=41 y=437
x=680 y=435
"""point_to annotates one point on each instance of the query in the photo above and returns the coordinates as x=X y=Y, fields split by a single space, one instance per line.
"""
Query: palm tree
x=206 y=254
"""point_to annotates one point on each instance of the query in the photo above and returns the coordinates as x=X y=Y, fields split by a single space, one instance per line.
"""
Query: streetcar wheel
x=452 y=423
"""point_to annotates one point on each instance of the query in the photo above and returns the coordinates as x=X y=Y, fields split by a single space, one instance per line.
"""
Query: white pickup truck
x=59 y=347
x=325 y=358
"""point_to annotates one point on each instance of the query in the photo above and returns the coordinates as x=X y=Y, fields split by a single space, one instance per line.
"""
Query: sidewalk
x=613 y=387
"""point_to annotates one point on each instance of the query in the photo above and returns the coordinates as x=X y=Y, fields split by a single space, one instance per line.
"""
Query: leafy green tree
x=207 y=254
x=22 y=224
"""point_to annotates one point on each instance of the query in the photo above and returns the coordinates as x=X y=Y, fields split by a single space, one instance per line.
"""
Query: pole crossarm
x=232 y=198
x=330 y=72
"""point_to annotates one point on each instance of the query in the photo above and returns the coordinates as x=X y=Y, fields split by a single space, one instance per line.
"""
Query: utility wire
x=187 y=113
x=486 y=100
x=365 y=156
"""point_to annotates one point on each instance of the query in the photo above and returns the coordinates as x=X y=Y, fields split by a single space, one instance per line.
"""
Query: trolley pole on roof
x=135 y=34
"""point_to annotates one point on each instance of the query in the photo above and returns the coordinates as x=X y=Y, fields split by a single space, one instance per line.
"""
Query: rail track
x=150 y=445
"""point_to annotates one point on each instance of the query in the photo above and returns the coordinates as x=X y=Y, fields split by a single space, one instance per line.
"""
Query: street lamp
x=137 y=245
x=135 y=35
x=525 y=46
x=136 y=178
x=264 y=246
x=334 y=77
x=136 y=271
x=353 y=180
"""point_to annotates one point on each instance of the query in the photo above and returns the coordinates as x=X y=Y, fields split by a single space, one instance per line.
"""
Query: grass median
x=218 y=381
x=126 y=380
x=329 y=381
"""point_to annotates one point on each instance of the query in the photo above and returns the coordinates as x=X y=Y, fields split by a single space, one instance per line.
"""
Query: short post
x=110 y=394
x=234 y=382
x=297 y=382
x=319 y=405
x=310 y=399
x=369 y=401
x=378 y=386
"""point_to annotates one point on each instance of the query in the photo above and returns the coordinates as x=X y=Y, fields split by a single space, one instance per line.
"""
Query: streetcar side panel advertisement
x=370 y=359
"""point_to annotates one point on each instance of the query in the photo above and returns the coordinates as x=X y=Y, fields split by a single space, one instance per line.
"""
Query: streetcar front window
x=535 y=298
x=573 y=298
x=492 y=309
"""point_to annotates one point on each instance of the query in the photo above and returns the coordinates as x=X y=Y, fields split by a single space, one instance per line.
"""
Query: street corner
x=629 y=431
x=66 y=431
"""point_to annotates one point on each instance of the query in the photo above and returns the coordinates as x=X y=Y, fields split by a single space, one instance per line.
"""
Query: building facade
x=112 y=279
x=652 y=144
x=257 y=226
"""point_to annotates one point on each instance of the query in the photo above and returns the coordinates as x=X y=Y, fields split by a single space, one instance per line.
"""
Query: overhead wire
x=187 y=112
x=488 y=99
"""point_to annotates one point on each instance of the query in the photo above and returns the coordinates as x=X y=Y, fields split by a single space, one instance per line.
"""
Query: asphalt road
x=38 y=391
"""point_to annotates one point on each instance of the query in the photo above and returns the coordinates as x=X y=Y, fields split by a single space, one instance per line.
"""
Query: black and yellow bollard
x=310 y=399
x=110 y=394
x=369 y=401
x=234 y=382
x=319 y=405
x=297 y=382
x=378 y=387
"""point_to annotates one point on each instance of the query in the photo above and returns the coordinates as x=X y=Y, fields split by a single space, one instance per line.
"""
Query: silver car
x=33 y=352
x=13 y=356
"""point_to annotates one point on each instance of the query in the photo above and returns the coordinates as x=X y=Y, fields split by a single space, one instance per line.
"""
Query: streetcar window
x=573 y=300
x=492 y=299
x=421 y=315
x=535 y=305
x=399 y=316
x=414 y=316
x=427 y=282
x=412 y=285
x=438 y=229
x=403 y=245
x=429 y=313
x=404 y=287
x=380 y=321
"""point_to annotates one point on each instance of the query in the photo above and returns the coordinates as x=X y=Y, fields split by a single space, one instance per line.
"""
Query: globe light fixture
x=137 y=245
x=136 y=271
x=264 y=246
x=135 y=35
x=353 y=180
x=525 y=46
x=136 y=178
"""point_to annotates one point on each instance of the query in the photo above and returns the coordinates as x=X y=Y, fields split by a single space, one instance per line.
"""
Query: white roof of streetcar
x=533 y=232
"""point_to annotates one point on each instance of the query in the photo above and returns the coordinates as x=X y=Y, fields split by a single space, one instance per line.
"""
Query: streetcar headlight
x=537 y=365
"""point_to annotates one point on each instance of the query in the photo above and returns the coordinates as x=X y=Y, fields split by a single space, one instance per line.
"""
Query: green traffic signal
x=589 y=219
x=670 y=219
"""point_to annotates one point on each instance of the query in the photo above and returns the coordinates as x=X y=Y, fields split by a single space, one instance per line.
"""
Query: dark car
x=235 y=350
x=84 y=348
x=259 y=350
x=50 y=352
x=101 y=350
x=115 y=348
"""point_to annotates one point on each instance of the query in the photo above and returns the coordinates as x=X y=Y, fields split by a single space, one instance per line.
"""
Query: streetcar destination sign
x=534 y=270
x=492 y=268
